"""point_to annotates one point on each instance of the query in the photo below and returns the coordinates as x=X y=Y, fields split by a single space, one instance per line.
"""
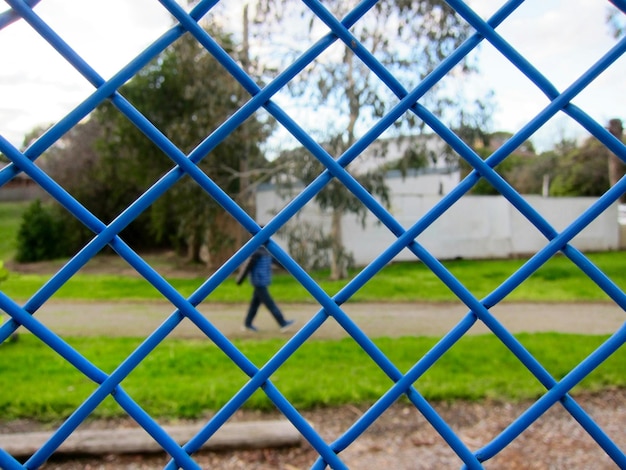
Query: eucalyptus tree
x=343 y=95
x=616 y=20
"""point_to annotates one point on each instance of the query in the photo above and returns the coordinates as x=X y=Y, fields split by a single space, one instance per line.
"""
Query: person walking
x=259 y=268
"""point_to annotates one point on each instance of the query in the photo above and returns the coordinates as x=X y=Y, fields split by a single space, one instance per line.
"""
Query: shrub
x=41 y=235
x=310 y=247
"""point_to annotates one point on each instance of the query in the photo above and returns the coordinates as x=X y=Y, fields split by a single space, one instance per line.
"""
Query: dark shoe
x=287 y=325
x=251 y=328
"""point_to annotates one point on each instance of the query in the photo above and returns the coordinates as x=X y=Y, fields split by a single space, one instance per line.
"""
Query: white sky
x=561 y=38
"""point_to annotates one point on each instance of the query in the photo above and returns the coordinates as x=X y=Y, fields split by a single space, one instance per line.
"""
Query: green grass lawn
x=559 y=280
x=186 y=379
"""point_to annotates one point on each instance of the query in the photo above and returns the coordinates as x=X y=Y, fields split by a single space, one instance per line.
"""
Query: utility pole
x=246 y=197
x=616 y=166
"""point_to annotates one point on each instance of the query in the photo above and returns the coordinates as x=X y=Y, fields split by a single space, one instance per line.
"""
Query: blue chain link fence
x=260 y=378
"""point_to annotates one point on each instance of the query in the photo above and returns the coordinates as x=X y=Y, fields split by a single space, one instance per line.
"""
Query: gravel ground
x=403 y=439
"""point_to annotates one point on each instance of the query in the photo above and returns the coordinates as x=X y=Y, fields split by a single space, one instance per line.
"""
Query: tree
x=187 y=94
x=582 y=171
x=408 y=38
x=77 y=165
x=616 y=22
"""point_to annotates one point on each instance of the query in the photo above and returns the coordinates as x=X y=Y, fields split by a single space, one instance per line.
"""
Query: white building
x=474 y=227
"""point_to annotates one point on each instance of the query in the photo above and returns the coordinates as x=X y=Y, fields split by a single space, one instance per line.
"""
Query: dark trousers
x=260 y=296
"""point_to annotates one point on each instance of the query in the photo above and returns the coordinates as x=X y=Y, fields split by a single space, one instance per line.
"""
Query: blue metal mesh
x=330 y=307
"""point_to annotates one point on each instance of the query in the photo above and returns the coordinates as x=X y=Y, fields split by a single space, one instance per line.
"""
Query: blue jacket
x=261 y=271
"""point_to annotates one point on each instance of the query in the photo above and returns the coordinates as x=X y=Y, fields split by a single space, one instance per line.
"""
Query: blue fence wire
x=478 y=310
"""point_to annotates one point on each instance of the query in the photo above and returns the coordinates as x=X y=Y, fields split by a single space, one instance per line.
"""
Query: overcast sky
x=561 y=38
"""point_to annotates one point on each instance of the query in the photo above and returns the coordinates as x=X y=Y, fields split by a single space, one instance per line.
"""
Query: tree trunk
x=194 y=246
x=616 y=166
x=338 y=263
x=338 y=268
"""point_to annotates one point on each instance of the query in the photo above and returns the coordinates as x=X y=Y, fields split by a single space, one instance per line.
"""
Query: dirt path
x=375 y=319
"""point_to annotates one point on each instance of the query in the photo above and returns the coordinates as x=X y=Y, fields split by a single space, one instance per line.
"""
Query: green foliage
x=476 y=368
x=582 y=171
x=186 y=94
x=11 y=216
x=41 y=235
x=569 y=170
x=616 y=22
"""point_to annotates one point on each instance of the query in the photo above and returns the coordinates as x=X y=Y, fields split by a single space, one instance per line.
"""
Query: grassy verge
x=558 y=280
x=477 y=367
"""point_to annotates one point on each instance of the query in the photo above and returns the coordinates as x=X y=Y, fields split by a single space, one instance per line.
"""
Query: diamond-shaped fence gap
x=317 y=48
x=193 y=363
x=331 y=109
x=205 y=104
x=83 y=28
x=557 y=60
x=403 y=386
x=30 y=93
x=365 y=382
x=70 y=204
x=504 y=188
x=558 y=356
x=595 y=132
x=477 y=374
x=560 y=267
x=487 y=228
x=44 y=363
x=495 y=38
x=551 y=426
x=577 y=218
x=557 y=392
x=513 y=86
x=598 y=86
x=598 y=378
